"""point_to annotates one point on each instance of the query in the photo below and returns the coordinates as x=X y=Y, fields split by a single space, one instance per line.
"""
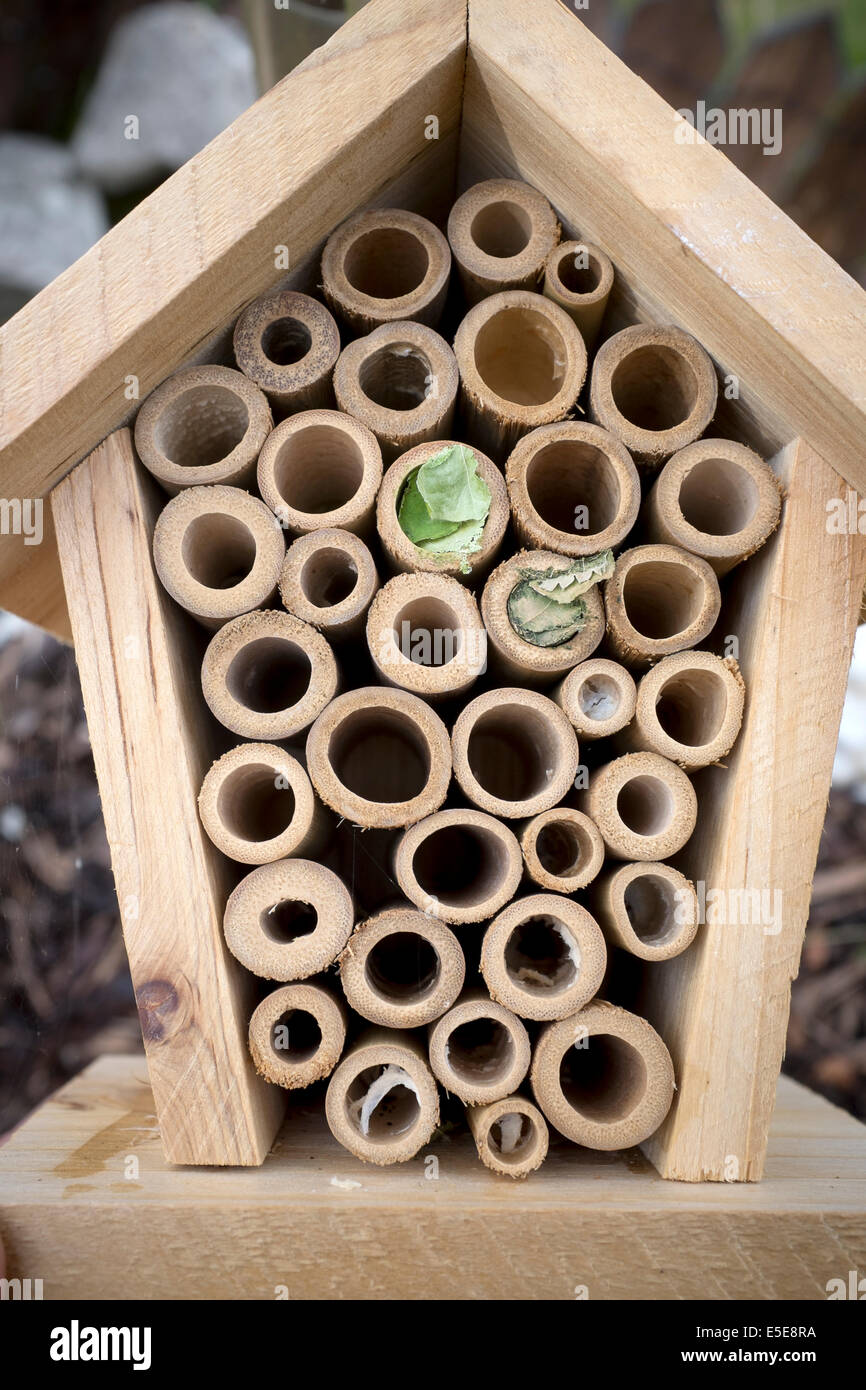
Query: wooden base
x=89 y=1205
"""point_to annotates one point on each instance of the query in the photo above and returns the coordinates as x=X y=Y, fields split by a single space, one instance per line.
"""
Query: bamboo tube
x=267 y=675
x=296 y=1035
x=402 y=969
x=203 y=425
x=522 y=364
x=381 y=1103
x=386 y=265
x=655 y=388
x=403 y=554
x=718 y=500
x=458 y=866
x=579 y=278
x=479 y=1051
x=288 y=920
x=562 y=849
x=514 y=751
x=689 y=709
x=380 y=757
x=425 y=634
x=650 y=910
x=510 y=1136
x=218 y=552
x=511 y=655
x=659 y=600
x=257 y=805
x=543 y=957
x=598 y=697
x=321 y=469
x=287 y=343
x=329 y=579
x=604 y=1078
x=573 y=488
x=401 y=382
x=644 y=806
x=501 y=232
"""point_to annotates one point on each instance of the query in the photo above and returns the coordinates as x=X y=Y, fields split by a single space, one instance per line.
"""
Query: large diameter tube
x=425 y=634
x=288 y=920
x=516 y=659
x=381 y=1103
x=320 y=469
x=501 y=233
x=458 y=866
x=649 y=910
x=402 y=969
x=659 y=600
x=510 y=1136
x=643 y=804
x=543 y=957
x=689 y=709
x=287 y=343
x=257 y=805
x=203 y=425
x=479 y=1050
x=296 y=1035
x=515 y=753
x=386 y=265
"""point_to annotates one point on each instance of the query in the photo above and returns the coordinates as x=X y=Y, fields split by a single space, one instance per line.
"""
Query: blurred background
x=69 y=76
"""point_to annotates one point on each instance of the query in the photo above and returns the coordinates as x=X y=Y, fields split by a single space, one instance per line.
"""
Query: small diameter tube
x=401 y=382
x=514 y=751
x=510 y=1135
x=380 y=757
x=689 y=709
x=425 y=634
x=659 y=600
x=649 y=910
x=401 y=969
x=479 y=1051
x=544 y=957
x=522 y=364
x=218 y=551
x=458 y=866
x=598 y=697
x=386 y=265
x=579 y=278
x=381 y=1103
x=288 y=920
x=573 y=488
x=297 y=1034
x=644 y=806
x=401 y=551
x=513 y=657
x=267 y=675
x=501 y=233
x=329 y=579
x=287 y=343
x=203 y=425
x=257 y=805
x=718 y=500
x=603 y=1078
x=562 y=849
x=321 y=469
x=655 y=389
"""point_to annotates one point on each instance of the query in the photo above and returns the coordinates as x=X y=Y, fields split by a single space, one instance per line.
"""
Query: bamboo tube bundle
x=518 y=632
x=257 y=805
x=579 y=278
x=649 y=910
x=203 y=425
x=598 y=696
x=287 y=343
x=321 y=468
x=644 y=806
x=297 y=1034
x=543 y=957
x=479 y=1050
x=458 y=866
x=402 y=969
x=562 y=849
x=501 y=233
x=328 y=579
x=288 y=920
x=659 y=600
x=689 y=708
x=386 y=265
x=515 y=753
x=381 y=1103
x=510 y=1135
x=425 y=634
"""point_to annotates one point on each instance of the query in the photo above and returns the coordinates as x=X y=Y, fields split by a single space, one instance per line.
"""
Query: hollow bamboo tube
x=598 y=698
x=458 y=866
x=267 y=675
x=425 y=634
x=543 y=957
x=203 y=425
x=380 y=757
x=579 y=278
x=659 y=600
x=288 y=920
x=644 y=806
x=562 y=849
x=510 y=1136
x=402 y=969
x=514 y=751
x=297 y=1034
x=287 y=343
x=329 y=579
x=603 y=1078
x=573 y=488
x=321 y=469
x=522 y=364
x=403 y=554
x=718 y=500
x=381 y=1103
x=257 y=805
x=501 y=232
x=655 y=388
x=511 y=655
x=650 y=910
x=218 y=551
x=386 y=265
x=401 y=382
x=689 y=709
x=479 y=1050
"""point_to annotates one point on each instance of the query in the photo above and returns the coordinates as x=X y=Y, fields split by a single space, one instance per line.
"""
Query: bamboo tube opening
x=514 y=657
x=599 y=698
x=252 y=807
x=269 y=674
x=604 y=1081
x=365 y=741
x=381 y=1102
x=303 y=1032
x=329 y=579
x=397 y=377
x=425 y=634
x=562 y=849
x=718 y=497
x=520 y=356
x=287 y=343
x=479 y=1051
x=203 y=425
x=219 y=550
x=572 y=274
x=660 y=600
x=296 y=1035
x=257 y=805
x=501 y=232
x=459 y=866
x=401 y=969
x=318 y=469
x=388 y=1118
x=573 y=488
x=384 y=265
x=543 y=957
x=644 y=806
x=650 y=910
x=562 y=477
x=514 y=752
x=423 y=617
x=579 y=277
x=689 y=709
x=654 y=388
x=501 y=229
x=511 y=1137
x=401 y=381
x=288 y=920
